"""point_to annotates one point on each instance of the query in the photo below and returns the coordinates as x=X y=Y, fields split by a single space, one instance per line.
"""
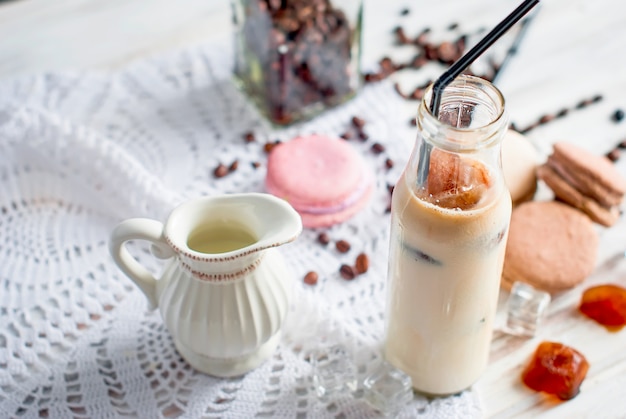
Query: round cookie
x=519 y=163
x=551 y=246
x=323 y=178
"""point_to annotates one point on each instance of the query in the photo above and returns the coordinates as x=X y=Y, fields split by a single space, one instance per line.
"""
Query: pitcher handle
x=139 y=229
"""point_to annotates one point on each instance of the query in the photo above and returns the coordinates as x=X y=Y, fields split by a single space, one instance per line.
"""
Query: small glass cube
x=525 y=309
x=334 y=370
x=388 y=389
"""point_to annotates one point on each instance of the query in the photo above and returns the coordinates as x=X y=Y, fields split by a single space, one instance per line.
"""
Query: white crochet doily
x=80 y=153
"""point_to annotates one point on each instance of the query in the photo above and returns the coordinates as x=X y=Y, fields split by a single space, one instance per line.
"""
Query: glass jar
x=295 y=58
x=450 y=217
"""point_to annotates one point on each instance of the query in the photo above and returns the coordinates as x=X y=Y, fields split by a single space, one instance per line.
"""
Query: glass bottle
x=449 y=225
x=295 y=58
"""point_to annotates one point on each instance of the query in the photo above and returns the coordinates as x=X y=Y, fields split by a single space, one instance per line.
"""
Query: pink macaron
x=323 y=178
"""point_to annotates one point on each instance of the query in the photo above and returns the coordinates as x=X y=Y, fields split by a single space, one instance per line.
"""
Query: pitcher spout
x=275 y=220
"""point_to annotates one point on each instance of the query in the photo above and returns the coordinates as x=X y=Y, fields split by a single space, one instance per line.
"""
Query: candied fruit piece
x=556 y=369
x=606 y=304
x=455 y=182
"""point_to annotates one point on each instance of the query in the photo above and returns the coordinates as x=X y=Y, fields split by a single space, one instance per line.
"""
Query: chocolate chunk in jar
x=298 y=56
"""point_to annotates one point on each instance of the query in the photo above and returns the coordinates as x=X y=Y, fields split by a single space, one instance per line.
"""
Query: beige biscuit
x=519 y=161
x=551 y=246
x=564 y=191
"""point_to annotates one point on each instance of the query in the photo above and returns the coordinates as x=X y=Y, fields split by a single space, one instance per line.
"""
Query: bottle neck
x=471 y=116
x=456 y=160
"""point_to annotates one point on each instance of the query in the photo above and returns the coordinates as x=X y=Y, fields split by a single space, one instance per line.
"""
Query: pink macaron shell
x=310 y=220
x=323 y=178
x=314 y=171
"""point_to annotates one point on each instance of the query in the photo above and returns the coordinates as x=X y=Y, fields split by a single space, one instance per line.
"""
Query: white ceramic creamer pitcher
x=225 y=290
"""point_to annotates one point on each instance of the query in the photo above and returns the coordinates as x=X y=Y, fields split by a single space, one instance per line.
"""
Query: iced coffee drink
x=450 y=217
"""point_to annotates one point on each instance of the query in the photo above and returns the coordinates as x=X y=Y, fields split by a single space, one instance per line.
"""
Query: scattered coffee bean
x=220 y=171
x=323 y=238
x=233 y=166
x=387 y=66
x=597 y=98
x=347 y=272
x=447 y=52
x=401 y=37
x=267 y=147
x=622 y=144
x=256 y=164
x=388 y=163
x=342 y=246
x=413 y=122
x=377 y=148
x=546 y=118
x=614 y=154
x=404 y=12
x=362 y=264
x=249 y=137
x=417 y=94
x=618 y=115
x=363 y=136
x=358 y=122
x=311 y=278
x=346 y=135
x=453 y=26
x=422 y=39
x=562 y=113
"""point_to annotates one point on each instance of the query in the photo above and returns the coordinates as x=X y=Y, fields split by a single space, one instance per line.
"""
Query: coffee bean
x=358 y=122
x=347 y=272
x=220 y=171
x=346 y=135
x=622 y=144
x=447 y=52
x=413 y=122
x=233 y=166
x=387 y=66
x=418 y=61
x=362 y=263
x=417 y=94
x=311 y=278
x=422 y=39
x=404 y=12
x=613 y=155
x=388 y=164
x=618 y=115
x=562 y=113
x=256 y=164
x=323 y=238
x=597 y=98
x=546 y=118
x=342 y=246
x=401 y=37
x=453 y=26
x=269 y=146
x=377 y=148
x=363 y=136
x=249 y=137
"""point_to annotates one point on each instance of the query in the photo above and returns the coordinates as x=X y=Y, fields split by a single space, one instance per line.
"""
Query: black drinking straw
x=459 y=66
x=465 y=61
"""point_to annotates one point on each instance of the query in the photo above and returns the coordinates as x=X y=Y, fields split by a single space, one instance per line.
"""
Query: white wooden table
x=574 y=50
